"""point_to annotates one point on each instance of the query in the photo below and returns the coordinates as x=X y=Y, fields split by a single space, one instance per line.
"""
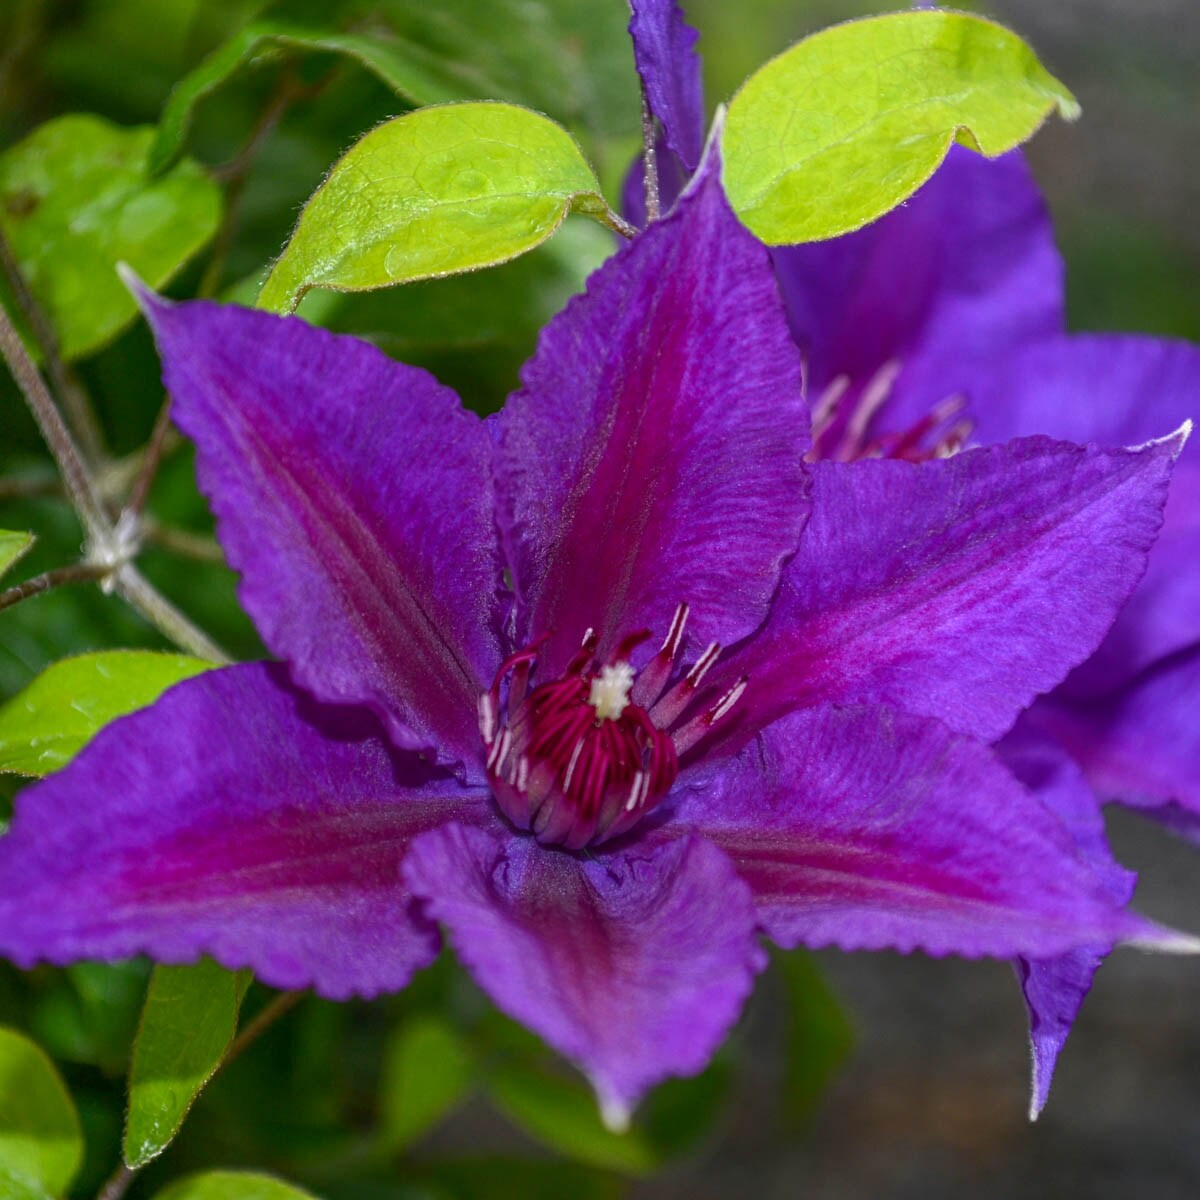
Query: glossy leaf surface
x=848 y=123
x=188 y=1021
x=44 y=726
x=442 y=190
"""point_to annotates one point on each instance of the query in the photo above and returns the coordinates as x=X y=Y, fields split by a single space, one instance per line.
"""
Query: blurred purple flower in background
x=943 y=325
x=469 y=730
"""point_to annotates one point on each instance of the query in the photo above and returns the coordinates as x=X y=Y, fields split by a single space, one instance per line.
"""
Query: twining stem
x=283 y=1003
x=118 y=1182
x=83 y=572
x=109 y=547
x=197 y=546
x=151 y=459
x=58 y=437
x=79 y=411
x=649 y=160
x=134 y=588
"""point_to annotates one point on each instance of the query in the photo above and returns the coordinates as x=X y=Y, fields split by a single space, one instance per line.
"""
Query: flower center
x=581 y=759
x=843 y=416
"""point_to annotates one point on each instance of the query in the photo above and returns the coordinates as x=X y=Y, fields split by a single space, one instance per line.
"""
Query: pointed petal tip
x=615 y=1114
x=147 y=298
x=1174 y=441
x=1158 y=939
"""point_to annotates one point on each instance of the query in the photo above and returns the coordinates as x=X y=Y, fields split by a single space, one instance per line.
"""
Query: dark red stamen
x=843 y=417
x=583 y=758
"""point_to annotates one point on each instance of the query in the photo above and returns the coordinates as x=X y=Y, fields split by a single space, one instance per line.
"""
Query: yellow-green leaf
x=40 y=1140
x=13 y=546
x=232 y=1185
x=75 y=200
x=442 y=190
x=44 y=726
x=188 y=1021
x=848 y=123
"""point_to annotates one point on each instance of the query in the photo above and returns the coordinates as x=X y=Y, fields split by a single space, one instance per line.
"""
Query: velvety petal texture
x=868 y=829
x=1118 y=391
x=1140 y=745
x=959 y=588
x=963 y=272
x=654 y=452
x=632 y=963
x=664 y=51
x=1055 y=988
x=233 y=818
x=352 y=494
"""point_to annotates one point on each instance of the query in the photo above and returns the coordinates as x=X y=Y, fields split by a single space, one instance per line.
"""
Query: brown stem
x=151 y=459
x=79 y=411
x=184 y=542
x=117 y=1184
x=649 y=160
x=30 y=487
x=283 y=1003
x=83 y=572
x=58 y=437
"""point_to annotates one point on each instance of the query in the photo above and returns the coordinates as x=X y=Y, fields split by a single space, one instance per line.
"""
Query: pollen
x=610 y=691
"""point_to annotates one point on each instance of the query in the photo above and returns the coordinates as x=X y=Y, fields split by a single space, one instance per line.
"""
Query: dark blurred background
x=930 y=1098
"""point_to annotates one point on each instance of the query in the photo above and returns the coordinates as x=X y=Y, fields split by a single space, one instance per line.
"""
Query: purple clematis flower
x=941 y=326
x=470 y=729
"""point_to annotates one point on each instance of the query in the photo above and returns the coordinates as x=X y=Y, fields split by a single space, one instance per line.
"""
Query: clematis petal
x=665 y=54
x=234 y=818
x=1055 y=988
x=654 y=452
x=960 y=588
x=965 y=270
x=1118 y=391
x=1140 y=745
x=633 y=964
x=868 y=828
x=352 y=494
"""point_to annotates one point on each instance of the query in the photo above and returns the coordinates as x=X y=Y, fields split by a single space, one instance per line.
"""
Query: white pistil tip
x=610 y=691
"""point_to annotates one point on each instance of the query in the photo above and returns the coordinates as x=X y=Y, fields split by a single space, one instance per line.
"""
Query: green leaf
x=819 y=1036
x=433 y=54
x=44 y=726
x=562 y=1113
x=428 y=1071
x=439 y=191
x=12 y=547
x=231 y=1185
x=75 y=201
x=399 y=67
x=41 y=1145
x=472 y=331
x=189 y=1019
x=848 y=123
